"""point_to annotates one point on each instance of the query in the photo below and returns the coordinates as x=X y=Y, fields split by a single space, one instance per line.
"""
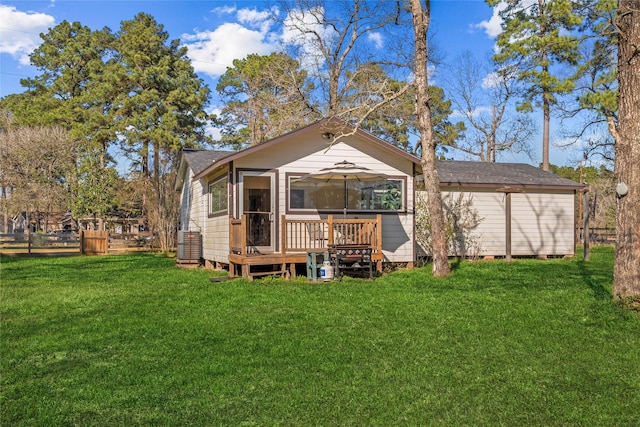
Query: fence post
x=29 y=240
x=585 y=226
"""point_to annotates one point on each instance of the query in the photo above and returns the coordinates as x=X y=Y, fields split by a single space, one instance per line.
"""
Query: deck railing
x=304 y=235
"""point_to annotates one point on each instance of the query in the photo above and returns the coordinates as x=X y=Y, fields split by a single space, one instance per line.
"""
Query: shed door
x=258 y=202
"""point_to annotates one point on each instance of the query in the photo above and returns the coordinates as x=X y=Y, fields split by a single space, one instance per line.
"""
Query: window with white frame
x=218 y=196
x=383 y=195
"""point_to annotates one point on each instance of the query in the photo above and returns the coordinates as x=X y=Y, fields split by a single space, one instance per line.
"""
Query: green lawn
x=133 y=340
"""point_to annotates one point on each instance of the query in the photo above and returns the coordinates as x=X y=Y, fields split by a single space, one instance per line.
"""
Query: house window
x=218 y=199
x=332 y=195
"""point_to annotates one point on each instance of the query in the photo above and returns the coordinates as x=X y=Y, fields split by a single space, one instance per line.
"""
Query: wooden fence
x=88 y=242
x=598 y=235
x=94 y=242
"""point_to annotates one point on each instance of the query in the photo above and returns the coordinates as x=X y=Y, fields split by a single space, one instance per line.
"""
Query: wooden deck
x=297 y=237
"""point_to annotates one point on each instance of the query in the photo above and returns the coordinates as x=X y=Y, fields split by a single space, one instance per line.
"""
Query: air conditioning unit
x=189 y=247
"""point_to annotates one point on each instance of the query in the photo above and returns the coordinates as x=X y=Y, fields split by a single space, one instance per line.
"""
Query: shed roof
x=518 y=175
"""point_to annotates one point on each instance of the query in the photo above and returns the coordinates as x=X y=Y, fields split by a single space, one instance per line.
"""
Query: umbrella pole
x=346 y=198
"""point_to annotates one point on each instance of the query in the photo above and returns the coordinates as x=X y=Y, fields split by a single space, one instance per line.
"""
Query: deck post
x=330 y=225
x=243 y=233
x=283 y=234
x=292 y=270
x=232 y=270
x=379 y=241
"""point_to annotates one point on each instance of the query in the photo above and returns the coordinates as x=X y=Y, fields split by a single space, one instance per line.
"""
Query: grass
x=133 y=340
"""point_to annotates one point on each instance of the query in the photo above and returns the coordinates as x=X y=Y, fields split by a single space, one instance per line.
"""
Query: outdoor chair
x=318 y=235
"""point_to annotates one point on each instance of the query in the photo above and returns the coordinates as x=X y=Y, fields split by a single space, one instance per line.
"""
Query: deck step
x=275 y=269
x=283 y=273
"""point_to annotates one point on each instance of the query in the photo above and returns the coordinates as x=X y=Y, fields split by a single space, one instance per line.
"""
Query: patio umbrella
x=346 y=171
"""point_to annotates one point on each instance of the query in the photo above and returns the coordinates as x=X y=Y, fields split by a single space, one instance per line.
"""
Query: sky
x=217 y=32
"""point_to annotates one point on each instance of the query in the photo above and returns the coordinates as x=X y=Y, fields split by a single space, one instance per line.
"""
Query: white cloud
x=504 y=75
x=224 y=10
x=376 y=39
x=212 y=131
x=457 y=114
x=491 y=81
x=303 y=29
x=213 y=51
x=19 y=32
x=252 y=16
x=493 y=26
x=256 y=18
x=300 y=25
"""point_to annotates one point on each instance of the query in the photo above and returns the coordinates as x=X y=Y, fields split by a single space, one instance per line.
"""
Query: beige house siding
x=542 y=223
x=215 y=229
x=195 y=217
x=215 y=242
x=490 y=205
x=191 y=208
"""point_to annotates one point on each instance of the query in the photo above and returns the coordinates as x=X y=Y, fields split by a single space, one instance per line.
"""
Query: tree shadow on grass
x=596 y=279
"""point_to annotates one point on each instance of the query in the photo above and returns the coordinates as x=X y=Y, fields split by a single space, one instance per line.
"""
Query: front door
x=258 y=202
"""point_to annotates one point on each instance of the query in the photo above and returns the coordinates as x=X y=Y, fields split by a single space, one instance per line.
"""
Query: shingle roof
x=199 y=160
x=451 y=172
x=459 y=173
x=321 y=126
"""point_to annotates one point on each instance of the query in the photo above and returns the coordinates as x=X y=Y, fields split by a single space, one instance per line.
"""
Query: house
x=261 y=211
x=44 y=222
x=252 y=206
x=15 y=224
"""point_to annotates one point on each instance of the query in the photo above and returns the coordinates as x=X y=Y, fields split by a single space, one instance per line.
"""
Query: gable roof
x=516 y=175
x=322 y=126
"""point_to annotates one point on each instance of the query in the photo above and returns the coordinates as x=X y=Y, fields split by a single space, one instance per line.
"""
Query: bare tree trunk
x=5 y=212
x=161 y=203
x=421 y=19
x=626 y=274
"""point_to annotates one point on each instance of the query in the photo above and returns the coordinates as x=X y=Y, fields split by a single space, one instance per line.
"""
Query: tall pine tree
x=160 y=112
x=537 y=39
